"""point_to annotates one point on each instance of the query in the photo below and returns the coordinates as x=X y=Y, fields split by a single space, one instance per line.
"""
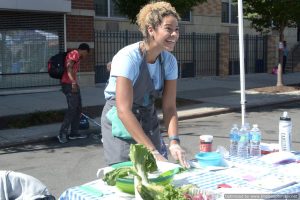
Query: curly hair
x=152 y=14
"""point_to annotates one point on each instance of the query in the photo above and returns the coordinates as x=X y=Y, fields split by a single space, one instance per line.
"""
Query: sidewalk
x=215 y=95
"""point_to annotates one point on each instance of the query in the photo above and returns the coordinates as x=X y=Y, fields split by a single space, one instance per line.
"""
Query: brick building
x=218 y=19
x=33 y=30
x=80 y=28
x=214 y=16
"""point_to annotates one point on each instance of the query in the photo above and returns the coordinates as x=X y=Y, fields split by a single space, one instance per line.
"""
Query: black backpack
x=56 y=65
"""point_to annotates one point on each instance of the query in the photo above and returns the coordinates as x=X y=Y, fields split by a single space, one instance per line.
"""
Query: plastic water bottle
x=234 y=139
x=285 y=132
x=248 y=128
x=243 y=151
x=255 y=150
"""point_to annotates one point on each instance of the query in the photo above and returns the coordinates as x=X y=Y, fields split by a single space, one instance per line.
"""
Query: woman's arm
x=171 y=121
x=124 y=100
x=169 y=109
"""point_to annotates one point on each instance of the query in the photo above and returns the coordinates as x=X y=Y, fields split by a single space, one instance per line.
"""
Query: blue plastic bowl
x=209 y=159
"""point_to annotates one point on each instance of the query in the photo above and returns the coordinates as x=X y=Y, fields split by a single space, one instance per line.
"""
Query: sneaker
x=77 y=136
x=62 y=138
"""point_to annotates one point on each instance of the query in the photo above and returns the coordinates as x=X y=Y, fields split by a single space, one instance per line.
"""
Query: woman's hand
x=178 y=154
x=158 y=156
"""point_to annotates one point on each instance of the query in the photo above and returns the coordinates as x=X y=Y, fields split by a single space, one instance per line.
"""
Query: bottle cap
x=285 y=116
x=206 y=138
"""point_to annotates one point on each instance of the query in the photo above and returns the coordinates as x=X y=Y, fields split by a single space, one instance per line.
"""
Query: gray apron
x=144 y=95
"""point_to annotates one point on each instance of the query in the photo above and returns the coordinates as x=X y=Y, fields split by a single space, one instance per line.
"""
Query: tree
x=131 y=8
x=267 y=15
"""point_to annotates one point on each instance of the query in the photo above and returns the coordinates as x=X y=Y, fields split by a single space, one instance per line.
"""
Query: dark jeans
x=72 y=116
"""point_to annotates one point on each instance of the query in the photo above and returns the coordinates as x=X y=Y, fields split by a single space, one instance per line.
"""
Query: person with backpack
x=71 y=90
x=140 y=73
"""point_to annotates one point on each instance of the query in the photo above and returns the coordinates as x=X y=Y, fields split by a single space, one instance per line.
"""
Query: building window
x=107 y=8
x=229 y=12
x=27 y=41
x=27 y=51
x=186 y=17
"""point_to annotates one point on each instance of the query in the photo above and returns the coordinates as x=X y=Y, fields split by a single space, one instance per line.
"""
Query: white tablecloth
x=94 y=190
x=206 y=180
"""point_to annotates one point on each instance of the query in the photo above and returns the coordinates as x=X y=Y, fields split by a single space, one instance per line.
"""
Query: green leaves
x=143 y=161
x=158 y=192
x=266 y=15
x=111 y=177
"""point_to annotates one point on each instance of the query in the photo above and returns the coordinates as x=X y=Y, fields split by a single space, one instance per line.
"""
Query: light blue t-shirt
x=127 y=61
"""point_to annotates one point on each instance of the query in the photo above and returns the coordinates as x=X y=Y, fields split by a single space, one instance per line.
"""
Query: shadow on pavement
x=52 y=144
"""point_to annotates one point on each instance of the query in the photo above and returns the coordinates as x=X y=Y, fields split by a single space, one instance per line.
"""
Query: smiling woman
x=153 y=15
x=140 y=73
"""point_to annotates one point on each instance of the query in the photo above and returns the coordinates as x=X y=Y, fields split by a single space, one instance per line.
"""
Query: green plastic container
x=127 y=184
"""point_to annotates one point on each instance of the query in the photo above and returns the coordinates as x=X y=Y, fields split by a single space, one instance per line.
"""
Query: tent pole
x=242 y=61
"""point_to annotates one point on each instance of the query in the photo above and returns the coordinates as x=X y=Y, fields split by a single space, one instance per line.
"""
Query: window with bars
x=27 y=51
x=229 y=12
x=26 y=44
x=107 y=8
x=27 y=41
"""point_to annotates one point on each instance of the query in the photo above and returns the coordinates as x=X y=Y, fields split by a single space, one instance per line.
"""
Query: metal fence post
x=246 y=52
x=256 y=47
x=194 y=52
x=126 y=37
x=293 y=61
x=217 y=54
x=265 y=45
x=96 y=48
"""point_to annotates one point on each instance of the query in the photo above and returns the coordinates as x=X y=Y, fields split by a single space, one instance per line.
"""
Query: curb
x=235 y=109
x=180 y=118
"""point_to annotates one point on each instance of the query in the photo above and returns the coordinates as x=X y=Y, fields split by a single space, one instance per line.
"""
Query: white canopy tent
x=242 y=61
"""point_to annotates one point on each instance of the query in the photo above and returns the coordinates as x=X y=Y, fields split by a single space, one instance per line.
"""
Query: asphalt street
x=63 y=166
